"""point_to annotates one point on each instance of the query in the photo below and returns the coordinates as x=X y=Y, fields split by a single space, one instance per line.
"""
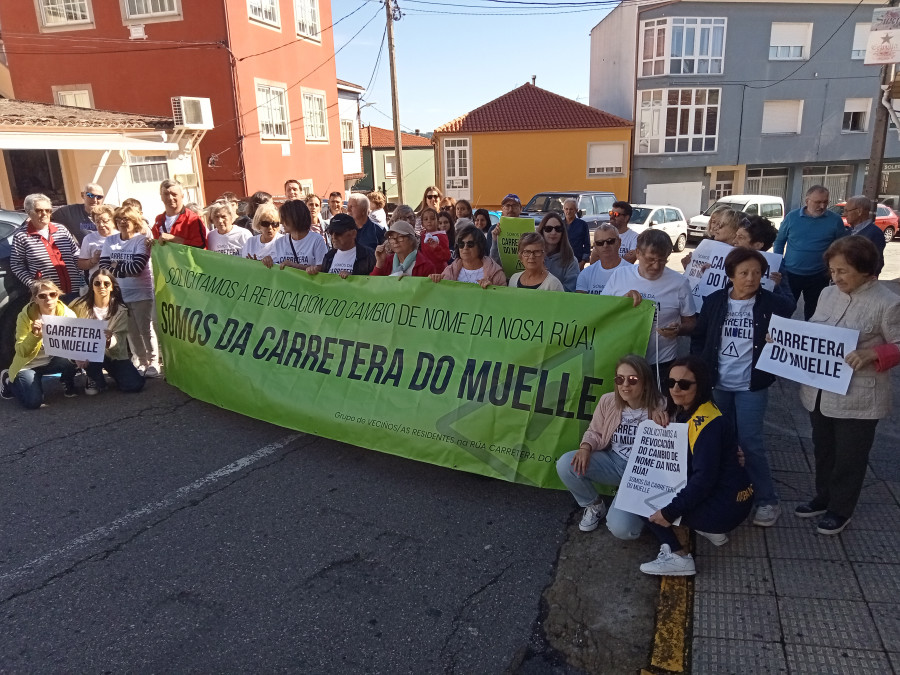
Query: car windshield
x=544 y=203
x=838 y=209
x=737 y=206
x=639 y=215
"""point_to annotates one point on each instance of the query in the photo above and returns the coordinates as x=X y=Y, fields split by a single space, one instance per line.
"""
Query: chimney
x=533 y=79
x=417 y=132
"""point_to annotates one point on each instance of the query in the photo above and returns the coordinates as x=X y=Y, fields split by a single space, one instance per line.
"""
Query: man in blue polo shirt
x=808 y=232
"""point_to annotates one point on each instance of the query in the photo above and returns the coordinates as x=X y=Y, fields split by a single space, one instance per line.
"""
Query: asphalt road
x=154 y=532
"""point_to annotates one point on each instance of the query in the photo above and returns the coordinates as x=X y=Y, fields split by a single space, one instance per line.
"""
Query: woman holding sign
x=730 y=335
x=843 y=427
x=30 y=362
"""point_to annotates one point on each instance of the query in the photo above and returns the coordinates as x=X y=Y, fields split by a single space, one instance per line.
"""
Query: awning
x=102 y=142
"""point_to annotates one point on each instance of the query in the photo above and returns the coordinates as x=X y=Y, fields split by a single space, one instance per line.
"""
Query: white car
x=753 y=205
x=669 y=219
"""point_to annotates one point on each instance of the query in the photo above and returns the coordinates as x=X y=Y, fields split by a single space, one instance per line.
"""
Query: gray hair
x=33 y=199
x=359 y=198
x=606 y=226
x=93 y=187
x=860 y=202
x=817 y=188
x=168 y=183
x=656 y=241
x=572 y=200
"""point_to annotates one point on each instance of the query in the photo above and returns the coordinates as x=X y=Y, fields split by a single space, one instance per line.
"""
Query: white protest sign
x=809 y=353
x=656 y=469
x=75 y=339
x=706 y=271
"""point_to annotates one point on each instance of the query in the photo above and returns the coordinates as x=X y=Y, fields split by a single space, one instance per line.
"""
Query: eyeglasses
x=102 y=284
x=684 y=385
x=615 y=214
x=394 y=236
x=652 y=262
x=468 y=243
x=268 y=223
x=41 y=211
x=631 y=379
x=532 y=254
x=553 y=228
x=93 y=196
x=432 y=196
x=49 y=295
x=605 y=242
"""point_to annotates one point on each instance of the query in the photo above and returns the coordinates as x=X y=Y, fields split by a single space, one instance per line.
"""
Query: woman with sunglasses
x=103 y=301
x=729 y=336
x=431 y=199
x=606 y=445
x=267 y=222
x=399 y=256
x=473 y=264
x=718 y=495
x=532 y=250
x=604 y=260
x=560 y=258
x=30 y=362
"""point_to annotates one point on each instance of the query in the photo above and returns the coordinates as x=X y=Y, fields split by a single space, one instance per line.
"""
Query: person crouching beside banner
x=347 y=257
x=473 y=264
x=399 y=255
x=606 y=445
x=103 y=301
x=730 y=335
x=30 y=362
x=843 y=427
x=718 y=495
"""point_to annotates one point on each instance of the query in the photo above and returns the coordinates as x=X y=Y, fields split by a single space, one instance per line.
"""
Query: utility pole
x=393 y=14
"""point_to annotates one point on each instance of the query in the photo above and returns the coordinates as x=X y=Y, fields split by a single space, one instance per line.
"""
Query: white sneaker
x=767 y=516
x=593 y=514
x=669 y=564
x=715 y=539
x=152 y=371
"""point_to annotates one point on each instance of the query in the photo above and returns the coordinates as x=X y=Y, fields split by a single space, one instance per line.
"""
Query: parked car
x=593 y=207
x=753 y=205
x=666 y=218
x=885 y=218
x=13 y=294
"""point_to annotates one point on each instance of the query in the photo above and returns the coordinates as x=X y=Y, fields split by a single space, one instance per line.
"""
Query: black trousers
x=811 y=287
x=842 y=448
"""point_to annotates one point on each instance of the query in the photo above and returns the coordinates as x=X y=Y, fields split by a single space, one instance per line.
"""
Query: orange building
x=531 y=140
x=267 y=67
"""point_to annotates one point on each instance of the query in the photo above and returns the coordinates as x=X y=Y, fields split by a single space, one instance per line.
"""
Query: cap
x=340 y=223
x=402 y=227
x=511 y=197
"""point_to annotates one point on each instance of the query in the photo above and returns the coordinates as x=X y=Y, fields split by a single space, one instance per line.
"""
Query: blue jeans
x=27 y=387
x=605 y=467
x=122 y=371
x=746 y=411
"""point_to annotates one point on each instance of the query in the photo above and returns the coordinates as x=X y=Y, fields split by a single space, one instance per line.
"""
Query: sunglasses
x=631 y=379
x=50 y=295
x=268 y=223
x=605 y=242
x=102 y=284
x=684 y=385
x=93 y=196
x=553 y=228
x=43 y=211
x=432 y=196
x=615 y=214
x=465 y=244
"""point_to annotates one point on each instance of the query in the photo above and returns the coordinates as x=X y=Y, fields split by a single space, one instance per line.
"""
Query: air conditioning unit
x=192 y=113
x=188 y=180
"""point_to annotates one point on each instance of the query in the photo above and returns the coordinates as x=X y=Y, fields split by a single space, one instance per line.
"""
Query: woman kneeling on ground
x=103 y=301
x=30 y=362
x=603 y=453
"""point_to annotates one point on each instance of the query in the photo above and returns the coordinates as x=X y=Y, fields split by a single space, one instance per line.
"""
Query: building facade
x=351 y=148
x=266 y=66
x=742 y=97
x=380 y=164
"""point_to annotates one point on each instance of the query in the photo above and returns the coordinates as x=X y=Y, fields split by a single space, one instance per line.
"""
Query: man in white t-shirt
x=650 y=278
x=619 y=217
x=604 y=260
x=347 y=257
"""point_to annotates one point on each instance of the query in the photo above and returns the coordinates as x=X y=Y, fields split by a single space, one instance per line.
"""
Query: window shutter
x=782 y=117
x=605 y=155
x=861 y=36
x=790 y=34
x=861 y=105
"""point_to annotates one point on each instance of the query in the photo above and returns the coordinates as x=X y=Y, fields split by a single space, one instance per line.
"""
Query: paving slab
x=808 y=660
x=738 y=657
x=869 y=545
x=815 y=579
x=887 y=618
x=735 y=575
x=803 y=543
x=733 y=616
x=879 y=582
x=825 y=623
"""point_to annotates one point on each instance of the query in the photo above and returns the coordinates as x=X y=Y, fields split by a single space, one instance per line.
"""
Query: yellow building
x=531 y=140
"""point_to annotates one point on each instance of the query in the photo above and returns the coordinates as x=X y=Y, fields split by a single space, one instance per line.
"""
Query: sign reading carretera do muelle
x=494 y=381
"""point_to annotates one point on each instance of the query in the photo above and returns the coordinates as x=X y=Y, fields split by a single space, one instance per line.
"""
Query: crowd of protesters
x=92 y=261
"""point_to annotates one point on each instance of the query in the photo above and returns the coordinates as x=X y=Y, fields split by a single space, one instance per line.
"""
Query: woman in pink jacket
x=473 y=264
x=603 y=453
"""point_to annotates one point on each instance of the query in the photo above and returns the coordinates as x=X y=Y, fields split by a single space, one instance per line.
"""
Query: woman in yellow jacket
x=30 y=362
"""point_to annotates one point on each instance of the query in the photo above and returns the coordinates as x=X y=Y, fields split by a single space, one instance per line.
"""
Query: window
x=307 y=12
x=585 y=204
x=856 y=114
x=605 y=159
x=678 y=121
x=694 y=45
x=348 y=140
x=835 y=178
x=782 y=117
x=603 y=203
x=62 y=12
x=724 y=185
x=390 y=166
x=314 y=121
x=790 y=41
x=273 y=112
x=771 y=210
x=264 y=10
x=148 y=169
x=772 y=181
x=672 y=216
x=860 y=40
x=79 y=98
x=142 y=9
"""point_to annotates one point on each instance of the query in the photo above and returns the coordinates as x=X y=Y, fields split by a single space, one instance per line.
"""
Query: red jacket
x=187 y=225
x=423 y=267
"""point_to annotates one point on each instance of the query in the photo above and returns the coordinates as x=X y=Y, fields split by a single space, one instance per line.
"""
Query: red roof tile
x=376 y=137
x=530 y=108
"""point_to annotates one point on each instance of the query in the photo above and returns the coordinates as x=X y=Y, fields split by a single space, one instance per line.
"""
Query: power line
x=377 y=60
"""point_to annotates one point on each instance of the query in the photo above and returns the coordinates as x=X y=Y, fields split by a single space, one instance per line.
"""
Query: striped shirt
x=34 y=257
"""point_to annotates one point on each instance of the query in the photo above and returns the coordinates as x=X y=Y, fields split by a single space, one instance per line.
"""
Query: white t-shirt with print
x=343 y=261
x=628 y=241
x=672 y=294
x=470 y=276
x=736 y=349
x=623 y=437
x=124 y=251
x=92 y=242
x=592 y=279
x=255 y=247
x=310 y=250
x=231 y=243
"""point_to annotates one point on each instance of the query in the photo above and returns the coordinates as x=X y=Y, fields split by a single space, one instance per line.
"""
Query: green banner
x=511 y=230
x=496 y=381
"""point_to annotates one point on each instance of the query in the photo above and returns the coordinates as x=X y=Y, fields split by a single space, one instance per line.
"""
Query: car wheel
x=888 y=234
x=680 y=243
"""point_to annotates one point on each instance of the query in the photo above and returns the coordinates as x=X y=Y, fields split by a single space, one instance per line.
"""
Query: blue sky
x=450 y=64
